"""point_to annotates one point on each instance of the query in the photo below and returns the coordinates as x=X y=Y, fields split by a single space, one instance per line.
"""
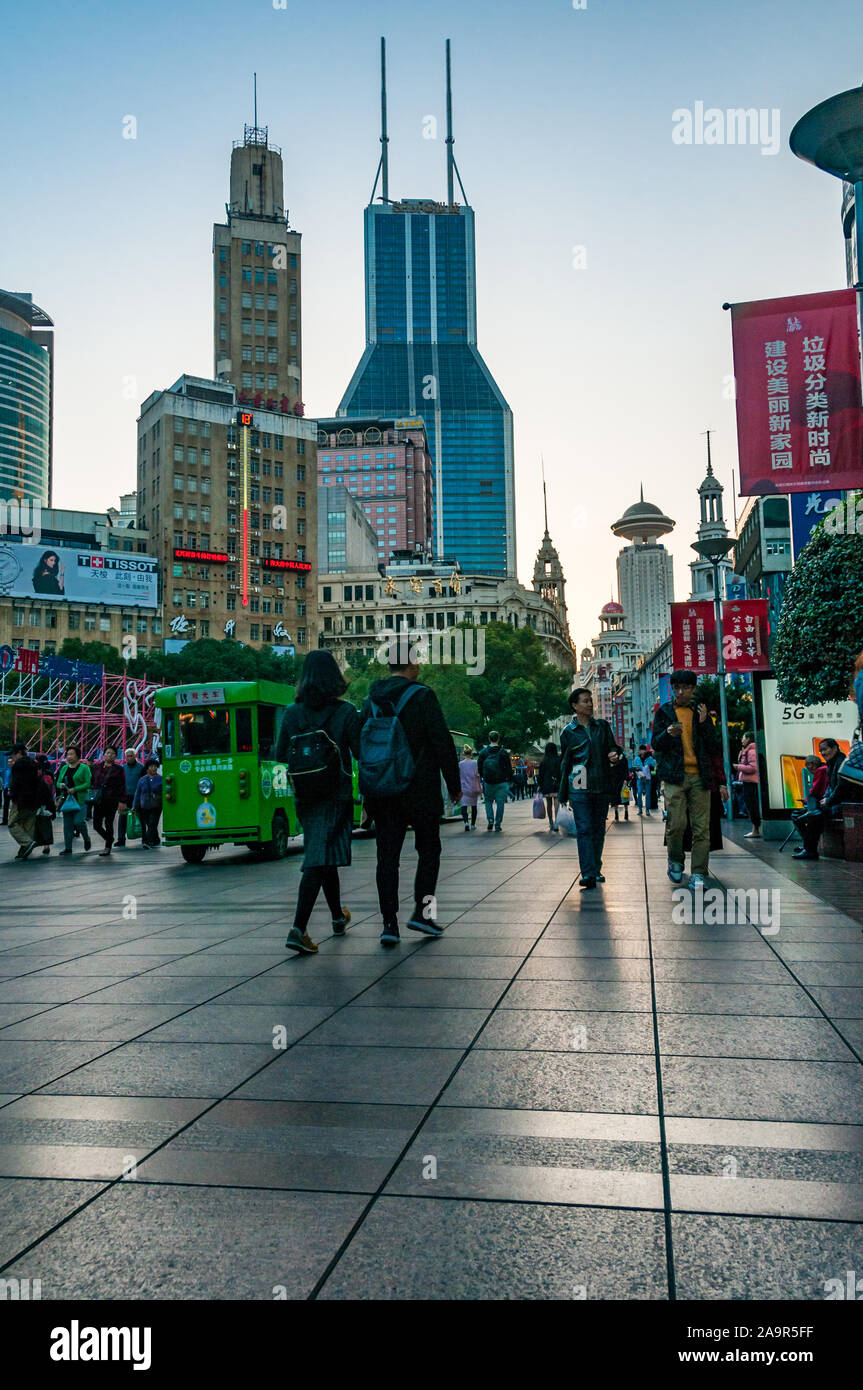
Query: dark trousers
x=750 y=796
x=392 y=824
x=810 y=828
x=464 y=811
x=311 y=883
x=103 y=820
x=149 y=826
x=590 y=810
x=122 y=822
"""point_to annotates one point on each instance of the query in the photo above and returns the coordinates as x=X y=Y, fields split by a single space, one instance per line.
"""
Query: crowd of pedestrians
x=80 y=794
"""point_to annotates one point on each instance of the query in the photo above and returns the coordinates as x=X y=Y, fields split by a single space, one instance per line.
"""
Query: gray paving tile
x=733 y=1035
x=395 y=992
x=788 y=1001
x=730 y=1257
x=13 y=1013
x=325 y=1147
x=386 y=1076
x=236 y=1244
x=555 y=1081
x=101 y=963
x=831 y=1092
x=29 y=1207
x=399 y=1027
x=150 y=989
x=242 y=1023
x=46 y=989
x=610 y=968
x=311 y=990
x=500 y=1251
x=441 y=965
x=593 y=995
x=549 y=1030
x=101 y=1022
x=166 y=1069
x=26 y=1065
x=731 y=973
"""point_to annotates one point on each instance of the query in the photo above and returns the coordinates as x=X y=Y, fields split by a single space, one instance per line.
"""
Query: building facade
x=762 y=551
x=614 y=650
x=387 y=467
x=421 y=359
x=358 y=610
x=645 y=573
x=26 y=399
x=232 y=517
x=346 y=540
x=257 y=317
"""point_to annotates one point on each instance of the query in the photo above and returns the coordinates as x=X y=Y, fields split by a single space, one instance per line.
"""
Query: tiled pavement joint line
x=657 y=1056
x=218 y=1100
x=366 y=1212
x=809 y=995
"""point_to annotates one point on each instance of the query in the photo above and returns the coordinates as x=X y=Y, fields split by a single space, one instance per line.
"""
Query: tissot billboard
x=797 y=379
x=78 y=576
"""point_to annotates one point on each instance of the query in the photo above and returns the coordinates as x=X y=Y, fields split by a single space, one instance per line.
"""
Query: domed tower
x=645 y=573
x=613 y=650
x=711 y=527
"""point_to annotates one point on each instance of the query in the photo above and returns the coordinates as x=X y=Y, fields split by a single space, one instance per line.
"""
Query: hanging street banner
x=808 y=510
x=744 y=639
x=797 y=381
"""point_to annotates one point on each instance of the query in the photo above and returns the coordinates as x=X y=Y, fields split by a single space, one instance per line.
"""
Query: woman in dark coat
x=327 y=822
x=548 y=782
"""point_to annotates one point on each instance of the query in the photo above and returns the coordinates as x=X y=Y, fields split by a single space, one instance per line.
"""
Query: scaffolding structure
x=120 y=710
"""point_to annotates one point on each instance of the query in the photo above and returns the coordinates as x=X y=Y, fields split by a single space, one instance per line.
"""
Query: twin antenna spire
x=383 y=172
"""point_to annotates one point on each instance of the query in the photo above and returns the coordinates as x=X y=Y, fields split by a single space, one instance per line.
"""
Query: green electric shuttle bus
x=221 y=783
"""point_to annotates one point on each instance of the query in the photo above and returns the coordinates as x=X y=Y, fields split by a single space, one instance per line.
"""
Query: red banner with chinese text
x=745 y=636
x=797 y=381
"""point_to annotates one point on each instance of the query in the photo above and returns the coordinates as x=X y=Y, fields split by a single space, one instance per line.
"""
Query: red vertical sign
x=797 y=378
x=693 y=637
x=745 y=634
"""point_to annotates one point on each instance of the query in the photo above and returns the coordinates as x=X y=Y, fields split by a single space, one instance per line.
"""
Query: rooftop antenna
x=544 y=497
x=383 y=170
x=451 y=166
x=255 y=81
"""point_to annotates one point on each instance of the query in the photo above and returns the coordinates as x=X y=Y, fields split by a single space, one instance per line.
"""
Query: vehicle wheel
x=193 y=854
x=279 y=845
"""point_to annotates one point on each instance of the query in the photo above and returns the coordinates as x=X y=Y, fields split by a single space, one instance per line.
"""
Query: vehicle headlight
x=205 y=786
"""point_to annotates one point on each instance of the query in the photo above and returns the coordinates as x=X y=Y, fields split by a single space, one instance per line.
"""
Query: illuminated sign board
x=78 y=576
x=214 y=557
x=245 y=417
x=287 y=565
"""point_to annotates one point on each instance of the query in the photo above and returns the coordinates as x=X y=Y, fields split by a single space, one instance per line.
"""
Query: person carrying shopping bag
x=73 y=783
x=548 y=783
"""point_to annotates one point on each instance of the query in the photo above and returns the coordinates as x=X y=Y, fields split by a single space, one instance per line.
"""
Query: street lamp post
x=714 y=549
x=830 y=136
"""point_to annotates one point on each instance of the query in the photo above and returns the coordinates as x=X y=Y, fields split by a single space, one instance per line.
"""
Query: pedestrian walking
x=620 y=793
x=133 y=771
x=319 y=732
x=73 y=783
x=684 y=739
x=471 y=787
x=405 y=749
x=107 y=793
x=147 y=804
x=747 y=770
x=27 y=793
x=644 y=767
x=548 y=783
x=495 y=769
x=588 y=755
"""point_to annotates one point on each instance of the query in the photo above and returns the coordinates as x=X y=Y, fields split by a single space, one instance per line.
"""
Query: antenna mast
x=450 y=158
x=385 y=172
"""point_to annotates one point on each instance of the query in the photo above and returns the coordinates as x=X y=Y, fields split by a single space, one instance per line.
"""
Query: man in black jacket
x=27 y=792
x=684 y=741
x=588 y=755
x=420 y=805
x=494 y=766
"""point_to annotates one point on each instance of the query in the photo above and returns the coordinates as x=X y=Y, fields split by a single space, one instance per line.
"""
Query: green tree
x=454 y=688
x=820 y=628
x=519 y=691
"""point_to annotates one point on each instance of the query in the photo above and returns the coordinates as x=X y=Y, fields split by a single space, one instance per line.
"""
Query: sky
x=605 y=249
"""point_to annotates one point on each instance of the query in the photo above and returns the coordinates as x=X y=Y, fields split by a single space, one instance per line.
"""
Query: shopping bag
x=539 y=807
x=565 y=820
x=43 y=832
x=133 y=826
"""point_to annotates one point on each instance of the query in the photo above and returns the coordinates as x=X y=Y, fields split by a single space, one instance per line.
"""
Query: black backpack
x=314 y=764
x=494 y=765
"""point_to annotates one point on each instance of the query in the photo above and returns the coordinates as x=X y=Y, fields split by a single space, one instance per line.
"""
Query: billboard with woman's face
x=79 y=576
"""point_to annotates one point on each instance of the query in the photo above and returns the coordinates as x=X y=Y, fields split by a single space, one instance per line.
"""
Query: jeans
x=73 y=821
x=642 y=793
x=688 y=801
x=590 y=810
x=494 y=795
x=392 y=825
x=464 y=813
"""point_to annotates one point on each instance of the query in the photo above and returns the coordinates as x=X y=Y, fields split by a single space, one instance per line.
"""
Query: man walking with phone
x=684 y=740
x=589 y=754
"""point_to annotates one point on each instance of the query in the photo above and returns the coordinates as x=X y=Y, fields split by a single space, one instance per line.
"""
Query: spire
x=450 y=158
x=544 y=496
x=255 y=86
x=385 y=164
x=641 y=493
x=709 y=464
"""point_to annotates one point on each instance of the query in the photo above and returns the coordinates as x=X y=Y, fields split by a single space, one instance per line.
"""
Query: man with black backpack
x=405 y=747
x=495 y=768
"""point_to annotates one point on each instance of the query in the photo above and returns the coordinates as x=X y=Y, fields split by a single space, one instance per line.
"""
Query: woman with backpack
x=319 y=732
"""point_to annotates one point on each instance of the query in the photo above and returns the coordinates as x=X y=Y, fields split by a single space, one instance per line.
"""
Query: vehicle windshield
x=204 y=731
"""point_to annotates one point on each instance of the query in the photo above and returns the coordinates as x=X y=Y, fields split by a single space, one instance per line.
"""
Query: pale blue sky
x=563 y=123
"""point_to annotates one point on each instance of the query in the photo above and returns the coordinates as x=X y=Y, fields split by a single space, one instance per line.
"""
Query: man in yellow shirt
x=684 y=741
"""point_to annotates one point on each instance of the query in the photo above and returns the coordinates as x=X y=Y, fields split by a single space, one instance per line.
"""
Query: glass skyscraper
x=421 y=359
